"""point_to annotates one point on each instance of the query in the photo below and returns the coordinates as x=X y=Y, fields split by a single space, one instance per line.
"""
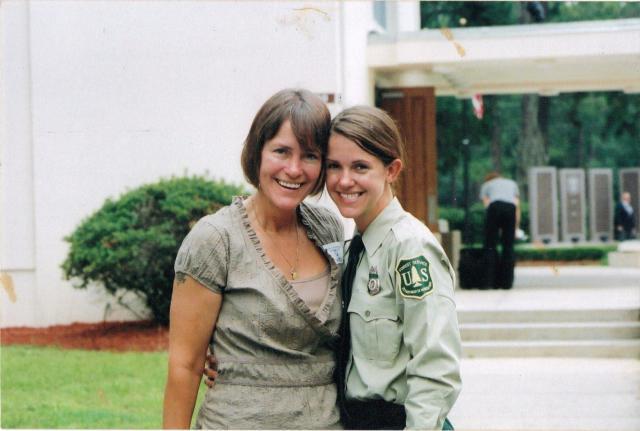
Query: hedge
x=567 y=254
x=129 y=245
x=572 y=253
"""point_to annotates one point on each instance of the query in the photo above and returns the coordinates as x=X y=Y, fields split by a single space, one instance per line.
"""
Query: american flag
x=478 y=106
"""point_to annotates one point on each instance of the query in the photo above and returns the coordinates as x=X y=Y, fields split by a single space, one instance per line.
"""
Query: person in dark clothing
x=501 y=199
x=624 y=219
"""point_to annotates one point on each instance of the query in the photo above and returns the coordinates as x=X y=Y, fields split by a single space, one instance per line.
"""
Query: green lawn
x=46 y=387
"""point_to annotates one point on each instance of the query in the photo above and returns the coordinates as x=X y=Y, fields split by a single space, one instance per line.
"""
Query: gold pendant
x=294 y=275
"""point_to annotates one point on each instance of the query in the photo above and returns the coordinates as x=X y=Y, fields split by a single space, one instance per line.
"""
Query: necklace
x=293 y=274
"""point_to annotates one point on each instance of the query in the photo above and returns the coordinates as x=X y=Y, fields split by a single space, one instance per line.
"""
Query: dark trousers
x=500 y=225
x=378 y=415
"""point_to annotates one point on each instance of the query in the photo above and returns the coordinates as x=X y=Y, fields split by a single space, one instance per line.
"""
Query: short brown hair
x=310 y=121
x=491 y=176
x=373 y=130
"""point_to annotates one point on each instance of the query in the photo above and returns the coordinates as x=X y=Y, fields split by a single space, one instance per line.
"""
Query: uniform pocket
x=376 y=334
x=389 y=335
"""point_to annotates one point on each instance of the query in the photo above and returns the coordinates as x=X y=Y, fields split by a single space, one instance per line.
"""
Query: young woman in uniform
x=402 y=368
x=261 y=276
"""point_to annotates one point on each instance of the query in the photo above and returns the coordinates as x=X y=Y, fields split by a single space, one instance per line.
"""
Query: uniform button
x=367 y=313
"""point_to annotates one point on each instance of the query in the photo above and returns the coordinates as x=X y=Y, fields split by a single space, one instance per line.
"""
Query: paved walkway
x=549 y=394
x=557 y=288
x=552 y=393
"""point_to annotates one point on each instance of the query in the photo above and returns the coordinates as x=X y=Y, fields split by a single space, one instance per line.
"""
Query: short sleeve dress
x=275 y=356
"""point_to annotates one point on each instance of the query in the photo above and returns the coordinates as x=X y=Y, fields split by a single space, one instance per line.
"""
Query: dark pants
x=378 y=415
x=500 y=225
x=624 y=234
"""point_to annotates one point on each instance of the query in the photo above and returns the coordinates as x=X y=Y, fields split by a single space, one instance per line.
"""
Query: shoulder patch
x=415 y=279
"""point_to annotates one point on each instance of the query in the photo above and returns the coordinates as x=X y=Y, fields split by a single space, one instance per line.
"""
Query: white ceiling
x=539 y=58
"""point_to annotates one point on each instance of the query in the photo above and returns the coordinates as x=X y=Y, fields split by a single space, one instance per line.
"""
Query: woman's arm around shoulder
x=201 y=275
x=194 y=311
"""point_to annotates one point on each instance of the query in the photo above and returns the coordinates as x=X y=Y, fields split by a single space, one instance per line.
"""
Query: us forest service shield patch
x=415 y=280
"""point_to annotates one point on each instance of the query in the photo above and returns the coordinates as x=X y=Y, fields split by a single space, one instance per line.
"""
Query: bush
x=560 y=253
x=129 y=245
x=569 y=253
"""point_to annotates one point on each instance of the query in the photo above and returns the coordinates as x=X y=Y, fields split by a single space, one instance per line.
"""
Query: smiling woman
x=258 y=280
x=398 y=365
x=288 y=172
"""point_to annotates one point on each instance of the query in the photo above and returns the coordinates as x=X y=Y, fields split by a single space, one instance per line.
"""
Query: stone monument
x=572 y=204
x=601 y=204
x=543 y=204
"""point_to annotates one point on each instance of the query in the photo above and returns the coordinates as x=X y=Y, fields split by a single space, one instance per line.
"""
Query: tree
x=533 y=151
x=598 y=129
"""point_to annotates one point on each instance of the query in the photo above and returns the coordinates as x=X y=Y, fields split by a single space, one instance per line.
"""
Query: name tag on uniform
x=335 y=250
x=373 y=285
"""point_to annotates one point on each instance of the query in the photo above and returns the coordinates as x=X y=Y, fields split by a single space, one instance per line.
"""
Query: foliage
x=453 y=14
x=459 y=13
x=559 y=253
x=583 y=11
x=586 y=130
x=129 y=244
x=573 y=253
x=45 y=387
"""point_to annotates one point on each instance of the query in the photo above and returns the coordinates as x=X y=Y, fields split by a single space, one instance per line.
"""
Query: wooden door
x=414 y=109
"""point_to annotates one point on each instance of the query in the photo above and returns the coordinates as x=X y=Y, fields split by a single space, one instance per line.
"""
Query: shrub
x=569 y=253
x=559 y=253
x=129 y=244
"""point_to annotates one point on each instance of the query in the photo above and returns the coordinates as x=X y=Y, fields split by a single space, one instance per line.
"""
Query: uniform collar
x=380 y=226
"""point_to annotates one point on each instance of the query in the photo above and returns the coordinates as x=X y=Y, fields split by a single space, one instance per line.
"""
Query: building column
x=17 y=206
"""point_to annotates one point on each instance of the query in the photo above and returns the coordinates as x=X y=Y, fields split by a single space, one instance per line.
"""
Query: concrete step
x=583 y=276
x=552 y=348
x=549 y=315
x=550 y=331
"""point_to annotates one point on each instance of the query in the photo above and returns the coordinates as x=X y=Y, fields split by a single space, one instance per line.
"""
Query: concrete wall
x=101 y=96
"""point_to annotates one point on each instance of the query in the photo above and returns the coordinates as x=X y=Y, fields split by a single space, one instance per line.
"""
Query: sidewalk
x=552 y=393
x=549 y=394
x=557 y=288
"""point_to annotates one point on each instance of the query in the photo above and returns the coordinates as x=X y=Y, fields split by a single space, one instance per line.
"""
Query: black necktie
x=355 y=249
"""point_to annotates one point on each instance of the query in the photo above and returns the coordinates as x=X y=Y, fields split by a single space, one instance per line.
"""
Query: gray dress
x=275 y=356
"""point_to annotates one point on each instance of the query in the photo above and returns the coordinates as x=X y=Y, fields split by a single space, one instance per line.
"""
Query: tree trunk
x=543 y=120
x=491 y=102
x=453 y=195
x=579 y=143
x=531 y=142
x=533 y=151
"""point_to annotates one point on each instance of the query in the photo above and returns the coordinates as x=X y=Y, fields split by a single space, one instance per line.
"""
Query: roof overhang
x=537 y=58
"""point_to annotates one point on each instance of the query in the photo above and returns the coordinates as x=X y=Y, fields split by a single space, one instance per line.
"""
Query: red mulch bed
x=141 y=336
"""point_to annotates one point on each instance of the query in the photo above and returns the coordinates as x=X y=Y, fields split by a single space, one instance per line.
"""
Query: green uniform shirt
x=404 y=328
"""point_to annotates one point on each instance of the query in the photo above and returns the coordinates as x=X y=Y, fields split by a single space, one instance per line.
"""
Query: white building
x=102 y=96
x=99 y=96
